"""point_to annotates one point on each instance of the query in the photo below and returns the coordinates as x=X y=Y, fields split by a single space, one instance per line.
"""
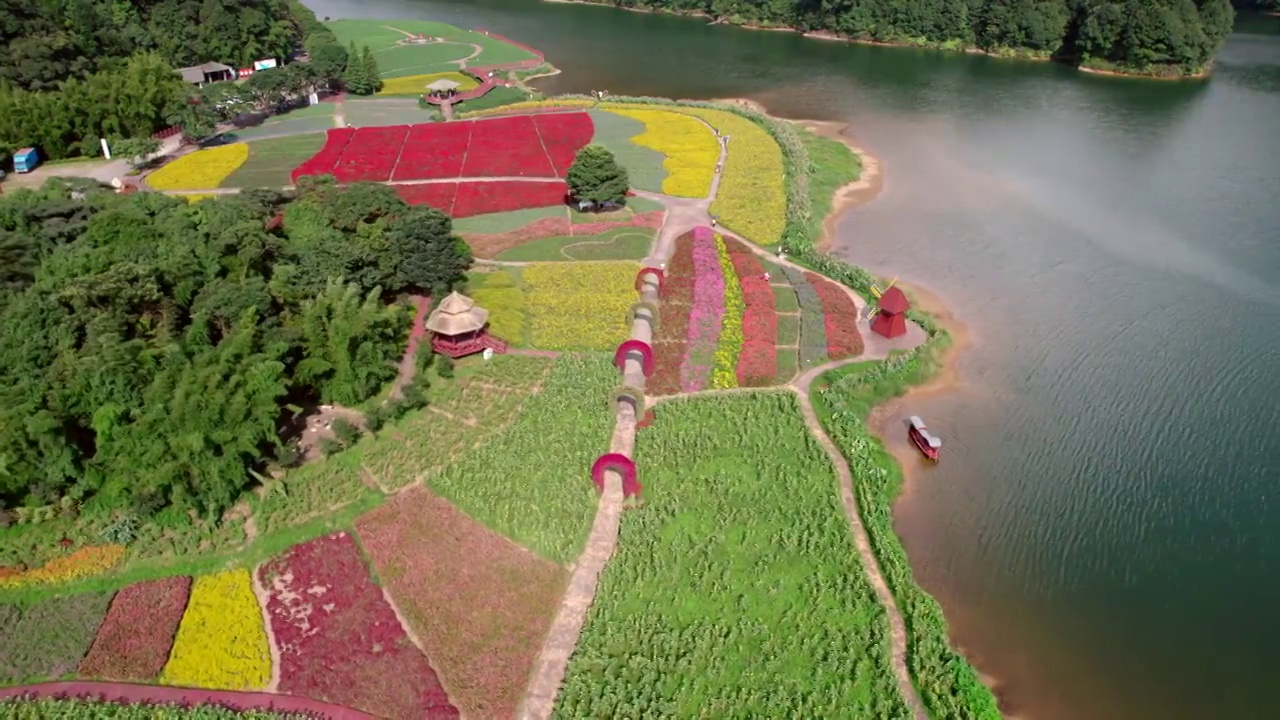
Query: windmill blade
x=892 y=282
x=876 y=292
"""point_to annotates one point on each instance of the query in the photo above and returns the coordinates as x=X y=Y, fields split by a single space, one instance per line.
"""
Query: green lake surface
x=1104 y=529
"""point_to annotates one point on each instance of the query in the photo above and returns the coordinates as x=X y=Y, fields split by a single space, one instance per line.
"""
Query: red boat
x=928 y=445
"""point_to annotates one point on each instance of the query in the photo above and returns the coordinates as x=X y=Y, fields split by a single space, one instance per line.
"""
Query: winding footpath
x=683 y=215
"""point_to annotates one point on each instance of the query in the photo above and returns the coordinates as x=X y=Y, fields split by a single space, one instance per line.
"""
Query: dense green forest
x=151 y=351
x=1167 y=37
x=74 y=71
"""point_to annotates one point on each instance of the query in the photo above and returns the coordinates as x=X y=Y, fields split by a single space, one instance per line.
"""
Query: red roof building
x=891 y=319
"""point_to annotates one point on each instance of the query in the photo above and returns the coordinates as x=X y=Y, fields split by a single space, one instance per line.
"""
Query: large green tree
x=596 y=176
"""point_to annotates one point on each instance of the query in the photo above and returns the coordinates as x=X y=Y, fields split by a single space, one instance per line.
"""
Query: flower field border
x=706 y=313
x=758 y=359
x=201 y=170
x=671 y=339
x=689 y=148
x=340 y=640
x=137 y=635
x=724 y=374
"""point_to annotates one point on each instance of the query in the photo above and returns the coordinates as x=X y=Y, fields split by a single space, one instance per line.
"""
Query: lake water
x=1103 y=529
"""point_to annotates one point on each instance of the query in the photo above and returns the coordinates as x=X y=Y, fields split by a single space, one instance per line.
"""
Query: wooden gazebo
x=459 y=327
x=891 y=319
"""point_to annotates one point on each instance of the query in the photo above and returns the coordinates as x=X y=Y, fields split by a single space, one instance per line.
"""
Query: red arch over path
x=622 y=464
x=646 y=355
x=662 y=277
x=132 y=693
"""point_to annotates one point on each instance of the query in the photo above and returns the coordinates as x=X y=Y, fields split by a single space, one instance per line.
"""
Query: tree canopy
x=1170 y=36
x=596 y=176
x=150 y=349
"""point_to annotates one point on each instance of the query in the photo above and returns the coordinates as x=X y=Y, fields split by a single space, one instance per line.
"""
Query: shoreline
x=832 y=37
x=946 y=379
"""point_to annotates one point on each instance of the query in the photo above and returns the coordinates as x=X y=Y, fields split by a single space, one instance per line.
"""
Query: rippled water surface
x=1104 y=530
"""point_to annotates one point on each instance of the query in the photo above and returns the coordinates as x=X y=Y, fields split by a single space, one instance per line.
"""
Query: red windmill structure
x=891 y=318
x=459 y=327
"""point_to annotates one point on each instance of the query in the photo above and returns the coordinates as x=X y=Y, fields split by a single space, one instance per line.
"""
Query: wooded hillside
x=151 y=351
x=1157 y=36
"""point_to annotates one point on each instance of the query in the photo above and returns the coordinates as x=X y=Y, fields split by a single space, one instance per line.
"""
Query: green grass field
x=495 y=223
x=396 y=60
x=270 y=161
x=385 y=111
x=644 y=166
x=624 y=243
x=497 y=97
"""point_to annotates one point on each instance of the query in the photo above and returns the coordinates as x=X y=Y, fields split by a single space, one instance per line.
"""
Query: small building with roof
x=459 y=327
x=209 y=72
x=891 y=318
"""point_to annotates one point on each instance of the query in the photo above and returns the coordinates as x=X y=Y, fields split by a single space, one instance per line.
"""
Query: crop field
x=50 y=638
x=621 y=243
x=221 y=642
x=200 y=170
x=736 y=591
x=644 y=164
x=340 y=640
x=582 y=306
x=751 y=200
x=417 y=84
x=480 y=603
x=398 y=60
x=523 y=146
x=271 y=160
x=532 y=483
x=500 y=294
x=463 y=414
x=137 y=634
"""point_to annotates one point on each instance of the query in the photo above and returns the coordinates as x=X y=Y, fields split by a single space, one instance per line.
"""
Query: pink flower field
x=340 y=641
x=134 y=640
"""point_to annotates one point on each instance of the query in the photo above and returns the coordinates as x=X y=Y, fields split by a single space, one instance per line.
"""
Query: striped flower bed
x=706 y=314
x=758 y=361
x=813 y=326
x=724 y=374
x=221 y=643
x=672 y=337
x=840 y=318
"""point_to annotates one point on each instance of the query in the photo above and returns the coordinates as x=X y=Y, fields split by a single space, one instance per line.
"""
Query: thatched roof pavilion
x=444 y=84
x=457 y=315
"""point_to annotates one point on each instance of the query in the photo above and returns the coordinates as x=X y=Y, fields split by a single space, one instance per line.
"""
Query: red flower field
x=563 y=135
x=437 y=195
x=758 y=361
x=134 y=640
x=518 y=146
x=840 y=317
x=673 y=319
x=480 y=603
x=340 y=641
x=434 y=151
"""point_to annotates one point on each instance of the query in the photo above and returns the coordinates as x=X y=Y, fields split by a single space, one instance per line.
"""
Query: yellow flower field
x=201 y=170
x=691 y=149
x=417 y=84
x=221 y=643
x=530 y=105
x=751 y=200
x=579 y=306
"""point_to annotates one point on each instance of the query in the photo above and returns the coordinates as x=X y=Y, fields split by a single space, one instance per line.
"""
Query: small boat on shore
x=928 y=445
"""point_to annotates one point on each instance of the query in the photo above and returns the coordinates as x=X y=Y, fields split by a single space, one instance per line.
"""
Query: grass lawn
x=362 y=112
x=624 y=243
x=497 y=97
x=270 y=161
x=417 y=84
x=499 y=293
x=494 y=223
x=644 y=165
x=788 y=329
x=396 y=60
x=836 y=165
x=784 y=298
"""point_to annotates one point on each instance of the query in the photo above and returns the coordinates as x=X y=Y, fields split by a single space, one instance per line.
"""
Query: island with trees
x=1164 y=38
x=252 y=455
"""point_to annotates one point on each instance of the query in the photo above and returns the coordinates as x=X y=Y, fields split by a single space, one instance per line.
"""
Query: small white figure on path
x=488 y=353
x=766 y=277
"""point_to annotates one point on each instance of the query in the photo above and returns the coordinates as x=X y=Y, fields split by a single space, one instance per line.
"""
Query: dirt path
x=261 y=592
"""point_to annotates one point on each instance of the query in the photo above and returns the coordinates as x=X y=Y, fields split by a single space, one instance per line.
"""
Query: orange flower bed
x=85 y=562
